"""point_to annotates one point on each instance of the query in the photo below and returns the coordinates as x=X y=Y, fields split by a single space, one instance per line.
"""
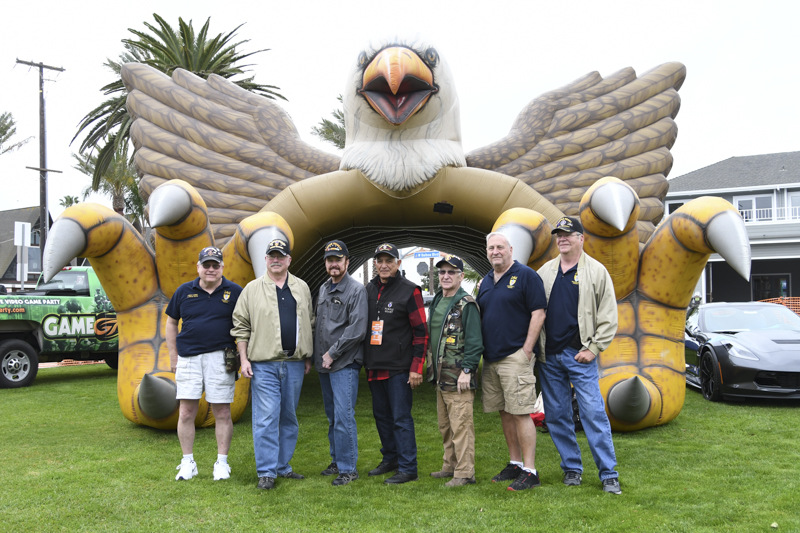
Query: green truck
x=68 y=317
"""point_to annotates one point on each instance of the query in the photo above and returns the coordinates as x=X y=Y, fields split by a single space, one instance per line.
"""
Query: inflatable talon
x=157 y=396
x=629 y=400
x=613 y=203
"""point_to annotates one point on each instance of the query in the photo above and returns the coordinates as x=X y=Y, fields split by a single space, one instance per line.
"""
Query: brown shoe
x=441 y=474
x=460 y=481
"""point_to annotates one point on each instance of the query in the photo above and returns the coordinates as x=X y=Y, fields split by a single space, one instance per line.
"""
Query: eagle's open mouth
x=397 y=83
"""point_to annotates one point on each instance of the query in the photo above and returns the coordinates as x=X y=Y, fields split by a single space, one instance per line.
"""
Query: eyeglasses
x=450 y=273
x=212 y=265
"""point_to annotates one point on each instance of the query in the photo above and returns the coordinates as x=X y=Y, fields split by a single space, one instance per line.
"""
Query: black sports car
x=747 y=349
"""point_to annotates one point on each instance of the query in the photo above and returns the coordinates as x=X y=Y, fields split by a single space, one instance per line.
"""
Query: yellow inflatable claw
x=140 y=282
x=642 y=373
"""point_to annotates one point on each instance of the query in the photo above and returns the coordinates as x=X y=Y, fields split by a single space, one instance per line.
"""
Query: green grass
x=71 y=462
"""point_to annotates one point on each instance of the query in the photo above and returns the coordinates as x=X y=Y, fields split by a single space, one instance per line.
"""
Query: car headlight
x=739 y=352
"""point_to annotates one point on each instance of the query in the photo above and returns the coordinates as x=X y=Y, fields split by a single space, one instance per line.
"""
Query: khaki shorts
x=204 y=372
x=509 y=385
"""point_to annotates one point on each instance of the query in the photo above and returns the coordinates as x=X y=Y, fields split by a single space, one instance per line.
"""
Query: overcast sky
x=737 y=100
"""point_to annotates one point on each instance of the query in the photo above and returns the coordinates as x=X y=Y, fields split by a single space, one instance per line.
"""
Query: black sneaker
x=612 y=485
x=572 y=478
x=266 y=483
x=526 y=480
x=291 y=474
x=384 y=468
x=331 y=470
x=344 y=479
x=511 y=471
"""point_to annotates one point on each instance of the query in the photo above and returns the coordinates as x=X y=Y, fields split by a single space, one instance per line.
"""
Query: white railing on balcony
x=772 y=214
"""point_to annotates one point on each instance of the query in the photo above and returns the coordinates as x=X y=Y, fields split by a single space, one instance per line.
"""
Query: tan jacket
x=597 y=304
x=256 y=320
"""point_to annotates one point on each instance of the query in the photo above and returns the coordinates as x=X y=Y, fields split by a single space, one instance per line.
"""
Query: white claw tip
x=613 y=203
x=727 y=235
x=65 y=241
x=168 y=204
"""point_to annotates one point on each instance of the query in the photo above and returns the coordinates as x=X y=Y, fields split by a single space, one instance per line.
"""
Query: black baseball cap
x=387 y=248
x=210 y=253
x=336 y=249
x=278 y=245
x=451 y=260
x=569 y=225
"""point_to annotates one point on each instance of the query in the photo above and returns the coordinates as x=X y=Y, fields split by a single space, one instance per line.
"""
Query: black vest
x=395 y=351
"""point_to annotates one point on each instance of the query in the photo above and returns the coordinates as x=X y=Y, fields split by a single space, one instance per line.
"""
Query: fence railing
x=771 y=214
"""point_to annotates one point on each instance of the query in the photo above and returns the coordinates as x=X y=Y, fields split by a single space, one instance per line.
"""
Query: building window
x=766 y=286
x=674 y=206
x=794 y=206
x=755 y=208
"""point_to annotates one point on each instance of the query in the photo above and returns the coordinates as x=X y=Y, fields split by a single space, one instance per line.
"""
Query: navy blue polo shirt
x=207 y=318
x=506 y=309
x=561 y=323
x=287 y=312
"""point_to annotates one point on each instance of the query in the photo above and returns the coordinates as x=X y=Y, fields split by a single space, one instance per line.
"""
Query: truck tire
x=19 y=364
x=112 y=360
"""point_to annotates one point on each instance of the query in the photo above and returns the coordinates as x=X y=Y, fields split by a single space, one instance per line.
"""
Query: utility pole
x=43 y=215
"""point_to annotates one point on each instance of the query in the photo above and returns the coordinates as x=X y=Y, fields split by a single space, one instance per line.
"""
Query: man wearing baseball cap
x=272 y=324
x=196 y=355
x=581 y=322
x=453 y=356
x=341 y=326
x=394 y=356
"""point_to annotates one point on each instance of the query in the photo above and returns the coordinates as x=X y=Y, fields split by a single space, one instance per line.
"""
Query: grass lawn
x=71 y=462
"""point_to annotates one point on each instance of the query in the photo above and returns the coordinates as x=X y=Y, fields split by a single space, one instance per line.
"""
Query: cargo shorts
x=509 y=385
x=205 y=371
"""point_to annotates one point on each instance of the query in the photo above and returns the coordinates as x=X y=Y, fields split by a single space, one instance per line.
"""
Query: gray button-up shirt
x=341 y=324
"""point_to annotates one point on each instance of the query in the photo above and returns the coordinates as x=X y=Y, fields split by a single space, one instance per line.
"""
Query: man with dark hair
x=581 y=322
x=196 y=356
x=341 y=326
x=455 y=351
x=513 y=307
x=272 y=324
x=394 y=356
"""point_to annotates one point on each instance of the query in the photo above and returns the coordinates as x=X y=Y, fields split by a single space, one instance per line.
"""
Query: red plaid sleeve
x=419 y=330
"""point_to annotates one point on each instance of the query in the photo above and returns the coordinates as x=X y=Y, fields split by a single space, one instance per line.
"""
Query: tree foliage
x=332 y=131
x=8 y=128
x=68 y=201
x=107 y=127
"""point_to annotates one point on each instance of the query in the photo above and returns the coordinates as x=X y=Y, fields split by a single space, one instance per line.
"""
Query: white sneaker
x=187 y=470
x=221 y=471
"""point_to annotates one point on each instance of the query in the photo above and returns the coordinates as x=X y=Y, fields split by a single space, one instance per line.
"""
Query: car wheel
x=112 y=360
x=710 y=381
x=18 y=364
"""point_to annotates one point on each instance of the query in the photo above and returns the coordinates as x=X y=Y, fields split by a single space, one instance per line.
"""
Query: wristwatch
x=466 y=370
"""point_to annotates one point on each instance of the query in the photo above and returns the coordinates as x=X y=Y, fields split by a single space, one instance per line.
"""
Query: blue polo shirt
x=207 y=318
x=506 y=308
x=561 y=323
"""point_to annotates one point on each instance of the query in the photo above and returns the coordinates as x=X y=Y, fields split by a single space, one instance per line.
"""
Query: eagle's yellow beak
x=397 y=83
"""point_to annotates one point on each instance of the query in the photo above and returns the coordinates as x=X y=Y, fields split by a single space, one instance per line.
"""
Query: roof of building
x=748 y=171
x=7 y=218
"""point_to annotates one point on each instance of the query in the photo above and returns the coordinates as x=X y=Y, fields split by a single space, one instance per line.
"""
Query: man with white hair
x=513 y=306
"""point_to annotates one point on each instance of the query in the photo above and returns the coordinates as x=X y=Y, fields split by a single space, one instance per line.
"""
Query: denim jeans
x=339 y=393
x=555 y=375
x=275 y=389
x=391 y=407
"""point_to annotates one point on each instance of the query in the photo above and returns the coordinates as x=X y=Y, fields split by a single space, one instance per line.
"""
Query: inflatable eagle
x=227 y=167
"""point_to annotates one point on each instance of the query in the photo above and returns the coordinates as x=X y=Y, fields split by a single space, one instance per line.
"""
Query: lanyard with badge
x=376 y=335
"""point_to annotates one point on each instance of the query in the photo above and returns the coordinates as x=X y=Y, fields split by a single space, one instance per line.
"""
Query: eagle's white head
x=401 y=115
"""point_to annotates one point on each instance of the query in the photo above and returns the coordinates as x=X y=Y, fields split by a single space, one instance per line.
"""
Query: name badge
x=376 y=337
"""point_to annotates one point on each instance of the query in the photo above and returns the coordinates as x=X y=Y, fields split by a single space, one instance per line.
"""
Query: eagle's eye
x=431 y=57
x=362 y=59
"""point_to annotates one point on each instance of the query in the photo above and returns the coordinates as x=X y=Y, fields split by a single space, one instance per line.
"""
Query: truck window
x=68 y=280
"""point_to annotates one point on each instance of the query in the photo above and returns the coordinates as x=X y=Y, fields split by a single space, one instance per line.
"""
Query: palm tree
x=330 y=131
x=107 y=125
x=8 y=128
x=68 y=201
x=119 y=181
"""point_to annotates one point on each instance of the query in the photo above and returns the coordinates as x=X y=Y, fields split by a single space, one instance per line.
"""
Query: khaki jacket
x=597 y=304
x=256 y=320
